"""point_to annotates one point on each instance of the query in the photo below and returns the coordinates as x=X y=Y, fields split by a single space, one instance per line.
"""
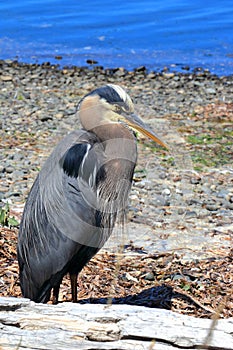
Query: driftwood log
x=26 y=325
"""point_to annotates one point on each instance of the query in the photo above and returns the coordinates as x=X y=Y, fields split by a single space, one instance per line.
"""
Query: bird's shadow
x=154 y=297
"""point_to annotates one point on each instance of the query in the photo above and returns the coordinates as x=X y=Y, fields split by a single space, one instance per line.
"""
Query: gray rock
x=166 y=192
x=9 y=169
x=191 y=214
x=212 y=206
x=6 y=78
x=149 y=276
x=195 y=180
x=211 y=91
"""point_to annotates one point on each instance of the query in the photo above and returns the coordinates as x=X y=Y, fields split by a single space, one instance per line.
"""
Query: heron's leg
x=56 y=293
x=73 y=279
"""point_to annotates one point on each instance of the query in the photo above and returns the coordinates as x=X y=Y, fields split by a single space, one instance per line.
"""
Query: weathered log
x=26 y=325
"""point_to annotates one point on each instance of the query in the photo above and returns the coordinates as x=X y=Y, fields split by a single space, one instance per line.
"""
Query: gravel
x=173 y=206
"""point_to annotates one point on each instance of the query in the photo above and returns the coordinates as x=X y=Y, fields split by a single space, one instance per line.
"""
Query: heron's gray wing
x=60 y=215
x=68 y=190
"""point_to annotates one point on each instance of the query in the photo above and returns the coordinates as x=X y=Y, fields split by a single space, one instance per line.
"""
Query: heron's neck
x=110 y=131
x=119 y=146
x=91 y=113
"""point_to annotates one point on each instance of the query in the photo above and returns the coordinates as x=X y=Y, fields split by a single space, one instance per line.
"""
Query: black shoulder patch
x=73 y=158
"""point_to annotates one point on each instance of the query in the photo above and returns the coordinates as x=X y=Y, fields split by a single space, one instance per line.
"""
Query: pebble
x=149 y=276
x=9 y=169
x=163 y=175
x=179 y=191
x=212 y=207
x=59 y=115
x=195 y=180
x=143 y=184
x=191 y=214
x=211 y=91
x=169 y=75
x=134 y=197
x=6 y=78
x=181 y=211
x=140 y=69
x=166 y=192
x=159 y=201
x=229 y=205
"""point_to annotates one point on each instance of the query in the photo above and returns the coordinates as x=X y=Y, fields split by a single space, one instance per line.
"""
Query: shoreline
x=40 y=100
x=193 y=113
x=93 y=65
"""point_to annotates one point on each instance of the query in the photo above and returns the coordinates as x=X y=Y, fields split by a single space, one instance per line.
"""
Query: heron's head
x=111 y=104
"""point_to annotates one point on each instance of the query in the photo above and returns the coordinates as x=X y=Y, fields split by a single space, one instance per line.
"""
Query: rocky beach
x=181 y=204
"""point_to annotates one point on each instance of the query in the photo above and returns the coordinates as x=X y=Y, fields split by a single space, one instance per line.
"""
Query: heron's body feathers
x=64 y=220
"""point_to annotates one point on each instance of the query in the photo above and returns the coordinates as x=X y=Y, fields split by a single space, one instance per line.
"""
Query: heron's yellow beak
x=136 y=123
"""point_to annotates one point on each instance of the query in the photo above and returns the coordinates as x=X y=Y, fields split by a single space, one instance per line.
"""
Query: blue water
x=126 y=34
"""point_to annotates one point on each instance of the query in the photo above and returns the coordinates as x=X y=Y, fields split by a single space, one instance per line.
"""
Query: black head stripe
x=109 y=94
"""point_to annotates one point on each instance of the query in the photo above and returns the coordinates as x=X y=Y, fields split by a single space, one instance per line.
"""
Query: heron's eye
x=117 y=108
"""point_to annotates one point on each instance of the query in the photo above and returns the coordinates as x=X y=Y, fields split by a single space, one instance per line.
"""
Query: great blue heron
x=79 y=193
